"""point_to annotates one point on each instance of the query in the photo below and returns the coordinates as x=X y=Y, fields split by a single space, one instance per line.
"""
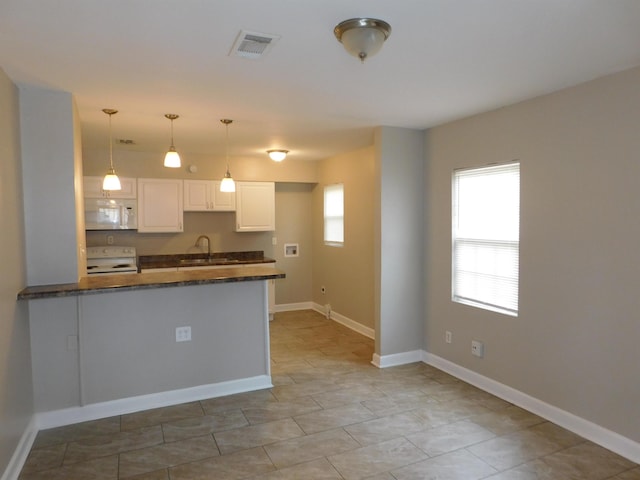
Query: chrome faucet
x=208 y=243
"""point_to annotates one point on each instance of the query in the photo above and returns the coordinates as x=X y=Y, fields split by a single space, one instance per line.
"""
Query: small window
x=334 y=215
x=486 y=237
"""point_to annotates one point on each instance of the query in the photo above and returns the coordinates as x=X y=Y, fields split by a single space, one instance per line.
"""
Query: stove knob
x=105 y=250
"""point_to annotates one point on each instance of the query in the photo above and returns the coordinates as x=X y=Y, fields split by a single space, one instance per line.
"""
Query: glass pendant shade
x=172 y=159
x=111 y=181
x=227 y=184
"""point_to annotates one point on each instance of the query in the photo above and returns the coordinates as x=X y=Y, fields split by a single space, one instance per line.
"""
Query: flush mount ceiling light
x=362 y=37
x=172 y=159
x=111 y=180
x=277 y=155
x=227 y=184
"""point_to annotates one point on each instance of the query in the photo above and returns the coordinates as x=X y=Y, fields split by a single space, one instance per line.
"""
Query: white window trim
x=508 y=246
x=325 y=217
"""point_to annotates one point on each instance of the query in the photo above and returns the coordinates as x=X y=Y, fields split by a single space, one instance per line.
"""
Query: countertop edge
x=145 y=281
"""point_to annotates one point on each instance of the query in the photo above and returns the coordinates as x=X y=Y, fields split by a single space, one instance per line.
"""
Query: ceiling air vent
x=253 y=45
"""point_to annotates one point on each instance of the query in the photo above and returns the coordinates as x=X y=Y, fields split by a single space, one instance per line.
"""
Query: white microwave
x=110 y=214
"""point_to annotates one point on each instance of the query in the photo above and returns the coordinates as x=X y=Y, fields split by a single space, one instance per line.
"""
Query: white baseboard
x=606 y=438
x=346 y=321
x=290 y=307
x=21 y=452
x=396 y=359
x=68 y=416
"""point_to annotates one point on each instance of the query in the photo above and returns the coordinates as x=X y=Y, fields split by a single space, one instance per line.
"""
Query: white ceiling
x=445 y=59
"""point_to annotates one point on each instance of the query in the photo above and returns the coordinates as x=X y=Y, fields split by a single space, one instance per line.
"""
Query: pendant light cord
x=227 y=145
x=110 y=145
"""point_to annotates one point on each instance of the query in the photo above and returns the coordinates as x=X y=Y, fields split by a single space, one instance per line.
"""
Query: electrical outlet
x=109 y=239
x=477 y=348
x=183 y=334
x=327 y=310
x=448 y=336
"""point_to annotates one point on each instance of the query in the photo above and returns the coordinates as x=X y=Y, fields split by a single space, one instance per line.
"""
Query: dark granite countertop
x=140 y=281
x=202 y=259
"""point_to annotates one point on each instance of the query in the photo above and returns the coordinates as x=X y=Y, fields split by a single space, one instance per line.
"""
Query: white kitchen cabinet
x=255 y=207
x=93 y=188
x=205 y=196
x=160 y=205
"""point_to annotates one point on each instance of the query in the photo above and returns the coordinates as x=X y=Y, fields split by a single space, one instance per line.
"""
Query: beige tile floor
x=330 y=415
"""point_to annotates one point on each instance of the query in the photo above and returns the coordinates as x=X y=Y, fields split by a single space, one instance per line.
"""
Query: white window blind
x=334 y=214
x=486 y=237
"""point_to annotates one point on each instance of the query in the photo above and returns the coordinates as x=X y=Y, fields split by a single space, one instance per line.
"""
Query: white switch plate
x=183 y=334
x=477 y=348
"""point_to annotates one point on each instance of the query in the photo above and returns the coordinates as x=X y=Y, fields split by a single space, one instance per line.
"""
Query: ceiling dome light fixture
x=362 y=37
x=277 y=155
x=227 y=184
x=111 y=181
x=172 y=159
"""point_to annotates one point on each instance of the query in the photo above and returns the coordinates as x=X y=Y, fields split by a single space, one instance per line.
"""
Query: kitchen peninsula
x=116 y=343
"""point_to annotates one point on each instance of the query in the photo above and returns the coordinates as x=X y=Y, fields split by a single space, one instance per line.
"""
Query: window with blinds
x=486 y=237
x=334 y=215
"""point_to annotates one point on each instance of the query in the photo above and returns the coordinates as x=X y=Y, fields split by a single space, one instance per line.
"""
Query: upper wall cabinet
x=205 y=196
x=93 y=188
x=255 y=207
x=159 y=205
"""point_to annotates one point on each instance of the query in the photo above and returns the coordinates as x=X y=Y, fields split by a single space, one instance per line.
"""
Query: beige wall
x=347 y=272
x=79 y=189
x=294 y=206
x=16 y=396
x=574 y=344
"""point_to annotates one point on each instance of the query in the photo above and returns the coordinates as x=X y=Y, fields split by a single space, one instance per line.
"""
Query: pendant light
x=111 y=180
x=172 y=159
x=227 y=184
